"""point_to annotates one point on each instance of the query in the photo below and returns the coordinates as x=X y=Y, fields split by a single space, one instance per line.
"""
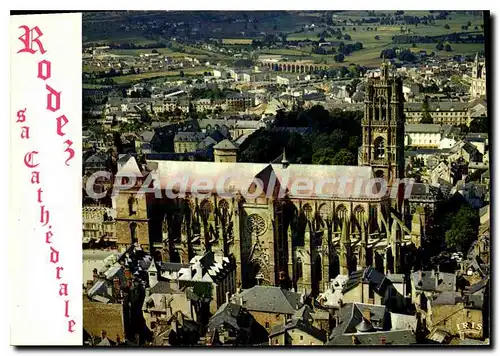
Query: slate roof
x=217 y=135
x=225 y=145
x=441 y=105
x=227 y=314
x=241 y=175
x=270 y=300
x=424 y=190
x=448 y=298
x=147 y=136
x=189 y=137
x=351 y=316
x=434 y=281
x=163 y=287
x=422 y=128
x=370 y=275
x=296 y=323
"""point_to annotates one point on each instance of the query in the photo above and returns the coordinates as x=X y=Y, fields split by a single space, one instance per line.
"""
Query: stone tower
x=225 y=151
x=478 y=79
x=132 y=222
x=383 y=126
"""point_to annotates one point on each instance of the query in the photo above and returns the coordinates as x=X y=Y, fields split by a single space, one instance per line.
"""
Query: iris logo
x=470 y=327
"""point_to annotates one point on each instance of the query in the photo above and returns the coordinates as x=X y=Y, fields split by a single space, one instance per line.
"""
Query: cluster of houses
x=133 y=298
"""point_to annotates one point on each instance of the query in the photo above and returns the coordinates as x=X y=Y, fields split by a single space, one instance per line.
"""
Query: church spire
x=284 y=161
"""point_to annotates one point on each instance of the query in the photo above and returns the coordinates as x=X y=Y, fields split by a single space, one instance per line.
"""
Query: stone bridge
x=295 y=67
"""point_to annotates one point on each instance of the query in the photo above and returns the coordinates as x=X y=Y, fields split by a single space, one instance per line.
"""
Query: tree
x=339 y=58
x=447 y=26
x=344 y=157
x=181 y=74
x=439 y=46
x=324 y=156
x=448 y=48
x=377 y=37
x=480 y=125
x=463 y=230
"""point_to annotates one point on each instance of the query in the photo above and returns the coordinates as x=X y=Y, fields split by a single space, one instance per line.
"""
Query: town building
x=366 y=324
x=423 y=135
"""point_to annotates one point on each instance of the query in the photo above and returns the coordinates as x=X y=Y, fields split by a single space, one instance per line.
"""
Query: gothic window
x=379 y=148
x=205 y=209
x=307 y=209
x=256 y=224
x=133 y=227
x=223 y=210
x=299 y=268
x=223 y=205
x=132 y=205
x=383 y=108
x=323 y=214
x=359 y=213
x=341 y=212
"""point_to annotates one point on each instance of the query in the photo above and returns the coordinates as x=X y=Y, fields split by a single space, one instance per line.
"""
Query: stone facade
x=478 y=81
x=294 y=240
x=383 y=126
x=132 y=219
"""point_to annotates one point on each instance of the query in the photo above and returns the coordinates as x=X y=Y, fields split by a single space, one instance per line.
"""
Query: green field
x=109 y=28
x=89 y=69
x=370 y=54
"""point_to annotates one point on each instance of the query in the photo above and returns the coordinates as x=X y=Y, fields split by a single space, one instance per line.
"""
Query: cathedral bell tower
x=383 y=126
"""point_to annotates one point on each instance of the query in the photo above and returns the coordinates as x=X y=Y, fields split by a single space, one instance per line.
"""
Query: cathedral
x=283 y=224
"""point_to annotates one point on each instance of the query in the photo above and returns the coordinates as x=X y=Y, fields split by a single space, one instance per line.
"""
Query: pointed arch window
x=132 y=205
x=299 y=268
x=133 y=228
x=383 y=108
x=379 y=148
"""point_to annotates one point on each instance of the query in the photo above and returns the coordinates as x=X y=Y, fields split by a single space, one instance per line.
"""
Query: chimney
x=367 y=314
x=127 y=273
x=227 y=297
